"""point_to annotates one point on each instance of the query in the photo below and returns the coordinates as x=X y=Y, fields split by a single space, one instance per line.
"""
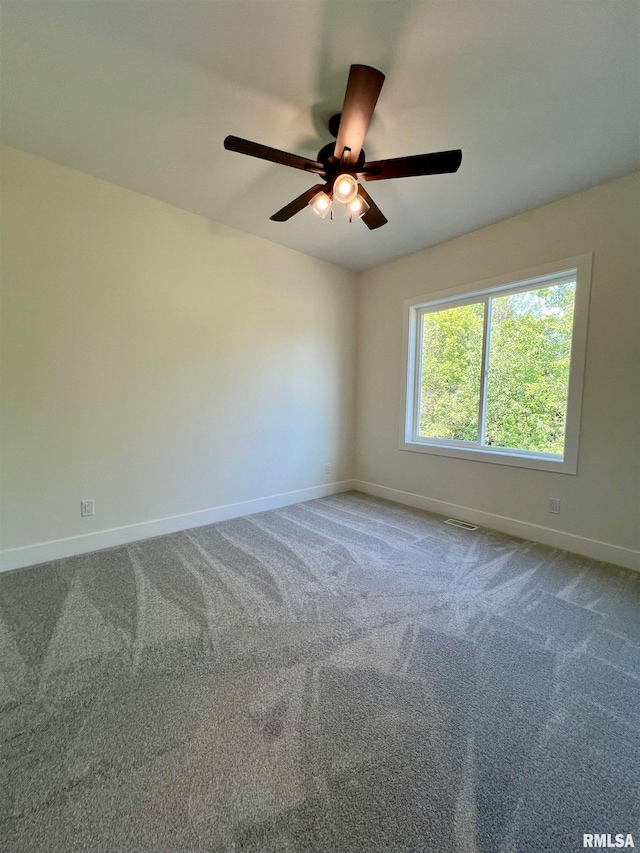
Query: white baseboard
x=626 y=557
x=44 y=552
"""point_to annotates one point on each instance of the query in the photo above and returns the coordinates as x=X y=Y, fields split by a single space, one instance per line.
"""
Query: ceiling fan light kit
x=343 y=164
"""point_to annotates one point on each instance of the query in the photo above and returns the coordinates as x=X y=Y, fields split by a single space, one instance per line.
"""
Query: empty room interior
x=320 y=406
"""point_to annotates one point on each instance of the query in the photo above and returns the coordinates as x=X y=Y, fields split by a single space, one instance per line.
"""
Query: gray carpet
x=342 y=676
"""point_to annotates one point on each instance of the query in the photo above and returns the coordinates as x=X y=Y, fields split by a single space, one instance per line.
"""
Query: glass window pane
x=451 y=366
x=529 y=358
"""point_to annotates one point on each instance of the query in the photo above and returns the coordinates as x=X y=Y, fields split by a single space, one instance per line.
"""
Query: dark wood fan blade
x=359 y=103
x=374 y=217
x=296 y=205
x=407 y=167
x=273 y=155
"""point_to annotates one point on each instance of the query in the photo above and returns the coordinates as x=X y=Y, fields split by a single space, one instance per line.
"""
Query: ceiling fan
x=343 y=163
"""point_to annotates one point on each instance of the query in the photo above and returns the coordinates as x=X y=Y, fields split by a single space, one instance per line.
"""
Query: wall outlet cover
x=87 y=508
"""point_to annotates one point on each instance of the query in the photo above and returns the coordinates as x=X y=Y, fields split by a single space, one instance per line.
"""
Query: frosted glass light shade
x=321 y=204
x=345 y=188
x=358 y=207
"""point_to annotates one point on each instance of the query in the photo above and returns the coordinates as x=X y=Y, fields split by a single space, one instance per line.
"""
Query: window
x=494 y=370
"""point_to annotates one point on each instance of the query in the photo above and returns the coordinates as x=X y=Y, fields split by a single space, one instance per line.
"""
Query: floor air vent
x=463 y=524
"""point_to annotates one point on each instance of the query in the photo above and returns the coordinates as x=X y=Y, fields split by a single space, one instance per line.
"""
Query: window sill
x=496 y=456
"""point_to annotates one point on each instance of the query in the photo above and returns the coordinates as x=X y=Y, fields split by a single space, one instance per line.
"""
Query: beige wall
x=162 y=364
x=157 y=362
x=602 y=501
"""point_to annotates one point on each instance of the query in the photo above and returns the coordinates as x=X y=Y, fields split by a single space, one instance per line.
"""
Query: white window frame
x=578 y=268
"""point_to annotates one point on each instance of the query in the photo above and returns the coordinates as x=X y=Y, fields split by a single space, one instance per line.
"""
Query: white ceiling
x=541 y=95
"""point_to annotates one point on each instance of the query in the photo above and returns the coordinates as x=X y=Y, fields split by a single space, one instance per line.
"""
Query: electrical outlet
x=554 y=505
x=327 y=467
x=87 y=508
